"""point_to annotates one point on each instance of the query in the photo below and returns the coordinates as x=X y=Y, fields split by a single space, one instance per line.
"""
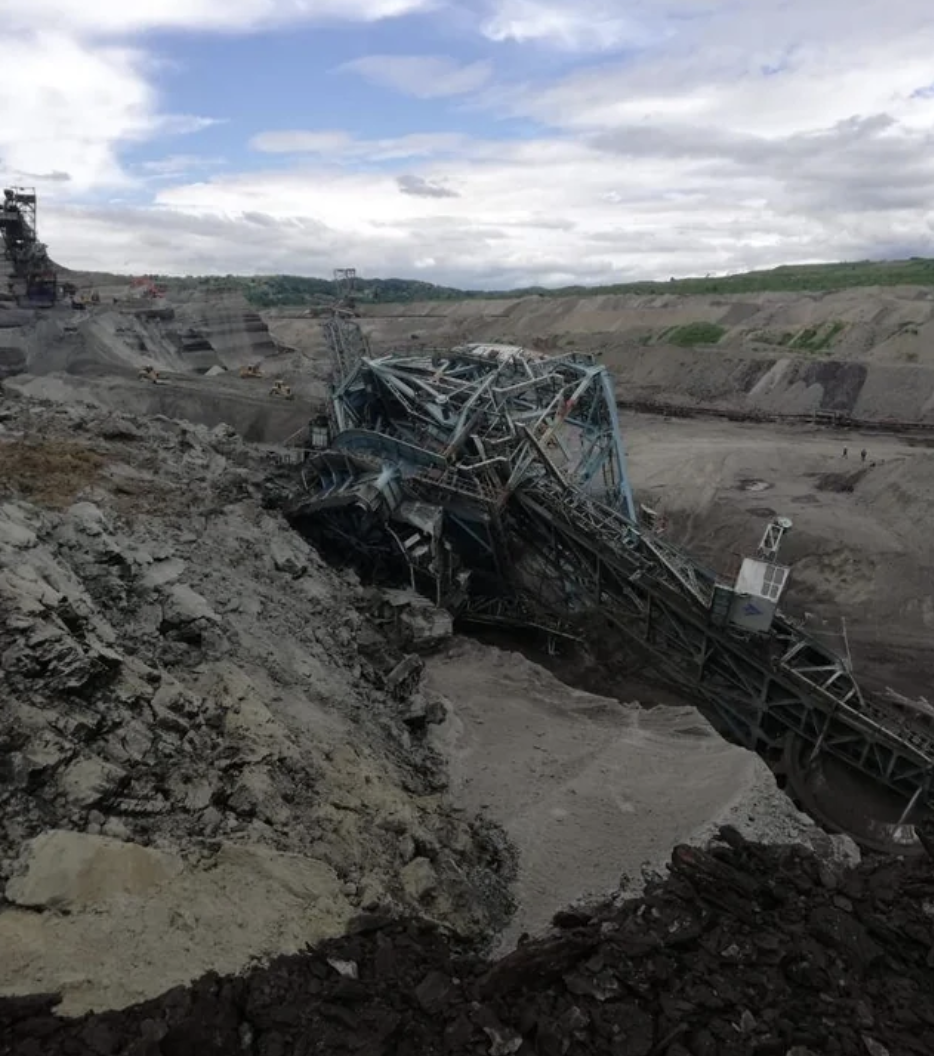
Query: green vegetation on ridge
x=691 y=334
x=298 y=291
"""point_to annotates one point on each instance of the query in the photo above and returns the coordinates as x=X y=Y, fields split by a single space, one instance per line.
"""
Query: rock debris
x=741 y=950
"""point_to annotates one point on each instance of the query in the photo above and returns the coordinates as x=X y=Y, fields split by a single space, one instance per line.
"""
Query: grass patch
x=48 y=472
x=828 y=336
x=694 y=334
x=816 y=338
x=803 y=338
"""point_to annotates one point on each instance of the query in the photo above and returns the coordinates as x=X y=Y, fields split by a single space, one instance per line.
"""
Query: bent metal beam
x=494 y=479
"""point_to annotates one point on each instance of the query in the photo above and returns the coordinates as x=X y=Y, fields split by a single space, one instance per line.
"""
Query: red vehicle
x=147 y=286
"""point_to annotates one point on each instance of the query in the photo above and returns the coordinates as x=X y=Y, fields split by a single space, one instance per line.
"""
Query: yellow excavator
x=149 y=374
x=282 y=390
x=251 y=371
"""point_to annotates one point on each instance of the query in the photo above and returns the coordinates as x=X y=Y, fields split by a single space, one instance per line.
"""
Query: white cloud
x=65 y=107
x=94 y=18
x=742 y=136
x=341 y=146
x=572 y=25
x=74 y=93
x=422 y=76
x=547 y=211
x=298 y=142
x=175 y=166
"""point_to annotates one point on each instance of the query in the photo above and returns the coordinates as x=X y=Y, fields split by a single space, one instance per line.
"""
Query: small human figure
x=844 y=452
x=862 y=455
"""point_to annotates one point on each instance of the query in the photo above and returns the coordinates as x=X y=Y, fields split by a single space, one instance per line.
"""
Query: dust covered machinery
x=493 y=479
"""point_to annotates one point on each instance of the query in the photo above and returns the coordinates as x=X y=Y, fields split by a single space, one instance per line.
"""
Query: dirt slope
x=875 y=322
x=865 y=352
x=199 y=761
x=860 y=548
x=94 y=356
x=591 y=791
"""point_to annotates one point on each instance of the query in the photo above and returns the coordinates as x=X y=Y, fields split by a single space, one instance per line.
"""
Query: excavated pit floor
x=593 y=792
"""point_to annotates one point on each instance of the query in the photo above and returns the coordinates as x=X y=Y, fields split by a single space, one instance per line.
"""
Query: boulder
x=256 y=794
x=416 y=622
x=72 y=870
x=88 y=518
x=289 y=554
x=186 y=613
x=89 y=780
x=419 y=879
x=162 y=573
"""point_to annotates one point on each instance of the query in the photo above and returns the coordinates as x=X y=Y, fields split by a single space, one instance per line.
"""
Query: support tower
x=33 y=278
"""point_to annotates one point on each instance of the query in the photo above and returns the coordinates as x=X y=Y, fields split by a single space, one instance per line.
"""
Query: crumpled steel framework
x=495 y=479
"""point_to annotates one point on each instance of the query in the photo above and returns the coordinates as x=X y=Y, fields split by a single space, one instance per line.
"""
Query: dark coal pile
x=742 y=949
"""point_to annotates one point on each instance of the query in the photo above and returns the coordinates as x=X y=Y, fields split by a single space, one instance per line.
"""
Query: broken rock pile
x=190 y=697
x=743 y=950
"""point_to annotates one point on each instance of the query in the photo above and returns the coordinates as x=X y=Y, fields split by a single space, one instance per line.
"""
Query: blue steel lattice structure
x=476 y=405
x=432 y=447
x=494 y=479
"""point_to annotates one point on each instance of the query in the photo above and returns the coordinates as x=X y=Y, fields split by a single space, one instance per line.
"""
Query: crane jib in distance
x=494 y=479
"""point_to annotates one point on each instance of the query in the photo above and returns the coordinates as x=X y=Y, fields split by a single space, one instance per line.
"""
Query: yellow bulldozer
x=149 y=374
x=281 y=390
x=251 y=371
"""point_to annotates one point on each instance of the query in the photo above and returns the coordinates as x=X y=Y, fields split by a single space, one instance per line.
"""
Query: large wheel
x=841 y=799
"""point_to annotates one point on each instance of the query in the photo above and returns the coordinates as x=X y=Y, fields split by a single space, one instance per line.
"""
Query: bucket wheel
x=841 y=799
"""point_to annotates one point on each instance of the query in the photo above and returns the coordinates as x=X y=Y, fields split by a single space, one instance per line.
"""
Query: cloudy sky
x=487 y=143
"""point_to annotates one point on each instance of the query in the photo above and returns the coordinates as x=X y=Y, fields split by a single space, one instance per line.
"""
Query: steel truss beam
x=521 y=457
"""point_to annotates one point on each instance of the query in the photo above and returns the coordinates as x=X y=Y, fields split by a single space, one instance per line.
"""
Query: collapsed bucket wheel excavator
x=494 y=480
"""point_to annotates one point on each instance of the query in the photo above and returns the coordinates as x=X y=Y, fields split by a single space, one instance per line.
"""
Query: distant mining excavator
x=251 y=371
x=493 y=479
x=35 y=280
x=149 y=374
